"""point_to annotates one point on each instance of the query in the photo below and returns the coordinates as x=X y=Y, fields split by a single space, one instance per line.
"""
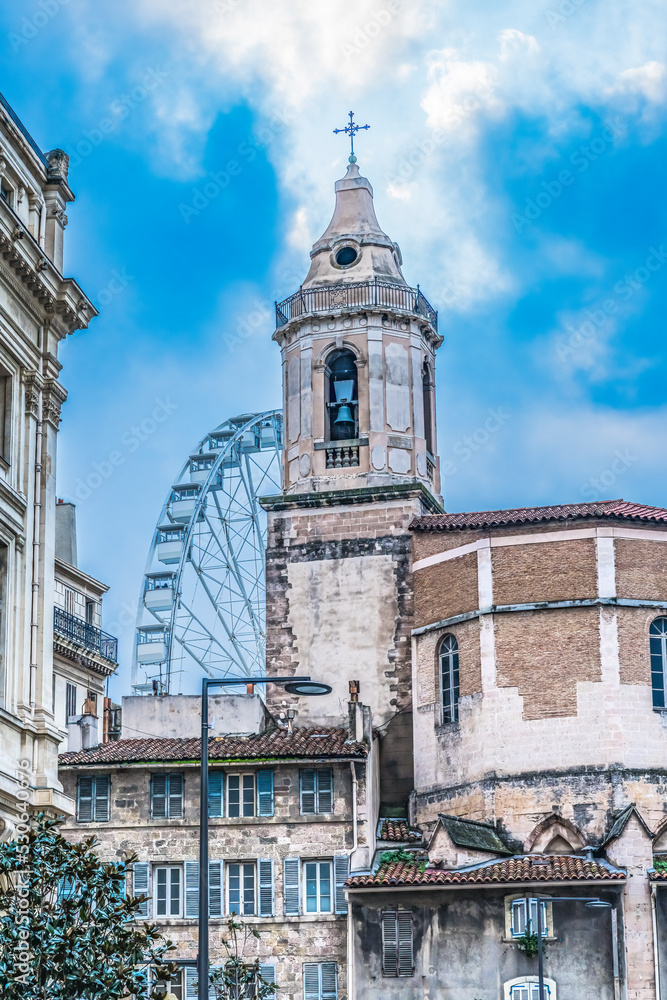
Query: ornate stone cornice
x=53 y=398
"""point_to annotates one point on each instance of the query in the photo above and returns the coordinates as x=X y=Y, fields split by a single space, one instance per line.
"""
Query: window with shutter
x=406 y=965
x=311 y=981
x=70 y=701
x=341 y=875
x=291 y=886
x=397 y=943
x=191 y=983
x=528 y=991
x=84 y=807
x=159 y=796
x=140 y=876
x=316 y=791
x=317 y=881
x=215 y=794
x=265 y=793
x=329 y=980
x=519 y=917
x=191 y=871
x=167 y=891
x=240 y=795
x=214 y=888
x=265 y=878
x=102 y=790
x=268 y=974
x=175 y=783
x=324 y=791
x=320 y=981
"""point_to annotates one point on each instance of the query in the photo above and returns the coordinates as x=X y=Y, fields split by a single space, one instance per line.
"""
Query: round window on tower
x=346 y=256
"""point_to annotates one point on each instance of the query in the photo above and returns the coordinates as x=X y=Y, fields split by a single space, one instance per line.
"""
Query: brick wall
x=633 y=644
x=641 y=569
x=545 y=654
x=446 y=589
x=548 y=571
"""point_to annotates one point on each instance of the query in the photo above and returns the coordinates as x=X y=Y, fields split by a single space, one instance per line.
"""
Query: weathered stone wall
x=340 y=608
x=461 y=951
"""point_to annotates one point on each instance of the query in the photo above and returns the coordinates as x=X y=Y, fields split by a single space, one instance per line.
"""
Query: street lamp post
x=295 y=685
x=591 y=902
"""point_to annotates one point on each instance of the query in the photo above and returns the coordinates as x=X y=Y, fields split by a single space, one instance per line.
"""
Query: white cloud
x=648 y=81
x=513 y=41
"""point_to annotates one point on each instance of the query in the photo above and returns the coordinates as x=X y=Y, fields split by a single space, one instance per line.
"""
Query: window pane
x=325 y=887
x=175 y=892
x=311 y=887
x=234 y=880
x=248 y=794
x=234 y=795
x=248 y=889
x=161 y=882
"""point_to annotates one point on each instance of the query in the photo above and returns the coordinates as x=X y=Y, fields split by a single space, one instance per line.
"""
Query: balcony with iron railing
x=85 y=635
x=374 y=294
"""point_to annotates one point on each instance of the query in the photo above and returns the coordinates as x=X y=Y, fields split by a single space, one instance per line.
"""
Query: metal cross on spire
x=351 y=130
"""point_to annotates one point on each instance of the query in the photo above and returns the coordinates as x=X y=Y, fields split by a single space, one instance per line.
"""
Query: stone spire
x=353 y=246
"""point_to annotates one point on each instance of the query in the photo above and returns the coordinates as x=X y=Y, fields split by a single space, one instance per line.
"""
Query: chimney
x=66 y=532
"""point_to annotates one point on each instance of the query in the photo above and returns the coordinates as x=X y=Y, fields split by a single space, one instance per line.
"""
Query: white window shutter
x=311 y=981
x=389 y=943
x=406 y=963
x=191 y=908
x=140 y=887
x=519 y=917
x=85 y=787
x=329 y=979
x=102 y=789
x=214 y=888
x=266 y=894
x=159 y=796
x=291 y=880
x=341 y=875
x=191 y=982
x=308 y=791
x=325 y=791
x=265 y=792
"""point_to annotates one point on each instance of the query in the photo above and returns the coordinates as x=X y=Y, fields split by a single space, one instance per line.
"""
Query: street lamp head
x=311 y=688
x=598 y=904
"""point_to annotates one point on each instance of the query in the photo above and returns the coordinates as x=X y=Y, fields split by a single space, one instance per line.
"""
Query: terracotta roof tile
x=397 y=830
x=276 y=743
x=617 y=509
x=558 y=868
x=658 y=875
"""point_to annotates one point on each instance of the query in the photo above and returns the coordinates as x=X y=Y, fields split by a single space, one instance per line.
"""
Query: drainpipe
x=656 y=950
x=36 y=527
x=353 y=772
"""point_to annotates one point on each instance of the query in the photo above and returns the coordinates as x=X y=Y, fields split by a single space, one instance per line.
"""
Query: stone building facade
x=292 y=813
x=360 y=461
x=38 y=308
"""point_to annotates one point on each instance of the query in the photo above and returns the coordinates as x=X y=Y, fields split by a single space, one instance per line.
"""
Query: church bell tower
x=358 y=356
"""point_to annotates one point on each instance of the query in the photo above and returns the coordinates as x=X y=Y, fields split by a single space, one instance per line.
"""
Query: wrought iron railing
x=356 y=295
x=89 y=636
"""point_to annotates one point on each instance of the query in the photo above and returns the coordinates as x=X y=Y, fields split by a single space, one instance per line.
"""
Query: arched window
x=427 y=385
x=658 y=639
x=449 y=678
x=343 y=401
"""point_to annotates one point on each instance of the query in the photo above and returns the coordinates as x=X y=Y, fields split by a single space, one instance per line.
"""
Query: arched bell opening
x=342 y=396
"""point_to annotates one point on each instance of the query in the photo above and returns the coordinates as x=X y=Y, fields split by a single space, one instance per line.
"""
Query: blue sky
x=517 y=153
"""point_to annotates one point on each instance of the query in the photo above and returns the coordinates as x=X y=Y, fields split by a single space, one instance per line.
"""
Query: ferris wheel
x=202 y=606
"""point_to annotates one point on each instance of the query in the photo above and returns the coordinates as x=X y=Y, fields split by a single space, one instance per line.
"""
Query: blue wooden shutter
x=406 y=963
x=140 y=877
x=215 y=888
x=268 y=974
x=216 y=789
x=191 y=907
x=102 y=789
x=159 y=796
x=389 y=943
x=265 y=878
x=341 y=875
x=265 y=793
x=84 y=805
x=308 y=791
x=311 y=981
x=291 y=879
x=175 y=796
x=329 y=980
x=325 y=791
x=190 y=982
